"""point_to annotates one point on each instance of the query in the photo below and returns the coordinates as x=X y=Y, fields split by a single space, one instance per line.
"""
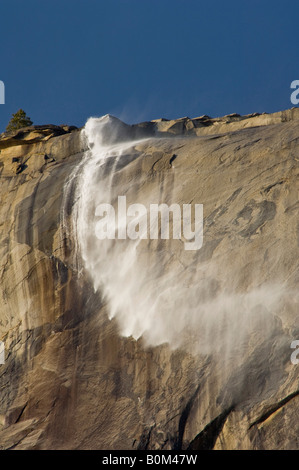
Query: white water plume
x=151 y=291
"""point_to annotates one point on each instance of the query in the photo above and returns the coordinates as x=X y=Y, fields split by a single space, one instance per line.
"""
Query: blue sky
x=65 y=60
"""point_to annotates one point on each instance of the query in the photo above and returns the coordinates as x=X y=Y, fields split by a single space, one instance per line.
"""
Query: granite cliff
x=71 y=378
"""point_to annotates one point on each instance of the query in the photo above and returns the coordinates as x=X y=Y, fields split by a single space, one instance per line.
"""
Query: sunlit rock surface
x=70 y=379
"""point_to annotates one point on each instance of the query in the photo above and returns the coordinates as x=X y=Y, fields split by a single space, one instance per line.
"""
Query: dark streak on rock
x=183 y=420
x=206 y=439
x=274 y=408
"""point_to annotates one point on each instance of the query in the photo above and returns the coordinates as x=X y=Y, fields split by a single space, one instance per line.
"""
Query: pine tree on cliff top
x=18 y=120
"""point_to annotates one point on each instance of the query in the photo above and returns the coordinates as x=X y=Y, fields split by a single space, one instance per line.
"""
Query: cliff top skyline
x=65 y=61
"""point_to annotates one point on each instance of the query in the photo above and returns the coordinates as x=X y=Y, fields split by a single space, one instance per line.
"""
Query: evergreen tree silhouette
x=18 y=120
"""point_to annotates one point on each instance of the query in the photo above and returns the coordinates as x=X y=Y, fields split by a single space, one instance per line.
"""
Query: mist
x=152 y=292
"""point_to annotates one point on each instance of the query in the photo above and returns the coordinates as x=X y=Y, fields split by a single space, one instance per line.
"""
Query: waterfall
x=154 y=288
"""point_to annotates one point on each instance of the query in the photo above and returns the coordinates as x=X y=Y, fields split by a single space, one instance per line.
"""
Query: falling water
x=151 y=293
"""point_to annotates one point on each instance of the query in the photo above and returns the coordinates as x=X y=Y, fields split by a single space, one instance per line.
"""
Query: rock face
x=70 y=379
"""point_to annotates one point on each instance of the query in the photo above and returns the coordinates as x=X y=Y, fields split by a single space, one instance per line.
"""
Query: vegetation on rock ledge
x=18 y=120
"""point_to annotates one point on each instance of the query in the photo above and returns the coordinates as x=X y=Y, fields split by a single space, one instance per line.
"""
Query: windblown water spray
x=154 y=288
